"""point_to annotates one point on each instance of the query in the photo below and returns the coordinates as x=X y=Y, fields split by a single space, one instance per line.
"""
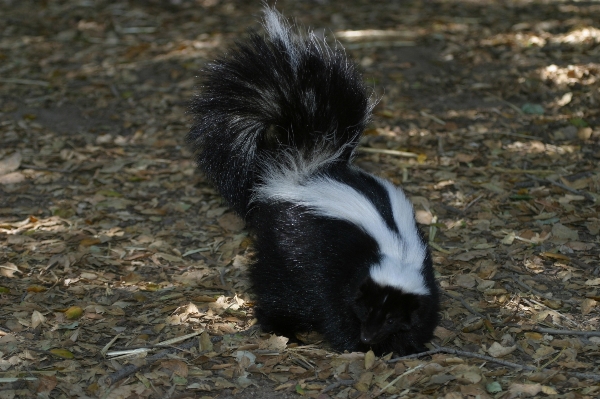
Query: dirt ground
x=123 y=273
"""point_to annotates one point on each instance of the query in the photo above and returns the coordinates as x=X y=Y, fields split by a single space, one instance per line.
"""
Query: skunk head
x=384 y=311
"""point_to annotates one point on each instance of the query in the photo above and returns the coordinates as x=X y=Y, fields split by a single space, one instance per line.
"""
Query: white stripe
x=402 y=256
x=402 y=269
x=278 y=28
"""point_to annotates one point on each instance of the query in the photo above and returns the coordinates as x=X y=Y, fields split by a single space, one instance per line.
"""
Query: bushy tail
x=272 y=97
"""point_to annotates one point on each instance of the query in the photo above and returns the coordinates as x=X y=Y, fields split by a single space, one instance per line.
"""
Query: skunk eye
x=390 y=321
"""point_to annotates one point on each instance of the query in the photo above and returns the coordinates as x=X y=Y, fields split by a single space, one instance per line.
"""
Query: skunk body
x=338 y=250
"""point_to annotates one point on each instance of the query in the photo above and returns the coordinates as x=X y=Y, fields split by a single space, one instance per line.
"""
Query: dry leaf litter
x=123 y=274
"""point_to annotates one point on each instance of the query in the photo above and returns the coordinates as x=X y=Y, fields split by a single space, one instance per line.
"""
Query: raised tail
x=286 y=94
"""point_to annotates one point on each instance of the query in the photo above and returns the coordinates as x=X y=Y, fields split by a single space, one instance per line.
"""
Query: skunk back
x=271 y=95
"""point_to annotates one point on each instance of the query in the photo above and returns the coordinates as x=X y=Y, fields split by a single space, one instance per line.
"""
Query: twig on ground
x=557 y=331
x=379 y=43
x=465 y=304
x=522 y=136
x=549 y=362
x=132 y=368
x=585 y=194
x=114 y=90
x=470 y=204
x=302 y=361
x=33 y=167
x=540 y=294
x=519 y=110
x=337 y=385
x=433 y=118
x=108 y=345
x=451 y=351
x=30 y=82
x=531 y=289
x=222 y=277
x=580 y=263
x=562 y=316
x=516 y=312
x=438 y=248
x=452 y=209
x=395 y=380
x=388 y=152
x=525 y=171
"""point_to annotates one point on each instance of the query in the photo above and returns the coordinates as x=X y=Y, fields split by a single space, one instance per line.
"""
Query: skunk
x=338 y=251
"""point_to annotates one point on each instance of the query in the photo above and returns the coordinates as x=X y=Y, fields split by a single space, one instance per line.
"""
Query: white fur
x=402 y=255
x=278 y=29
x=293 y=167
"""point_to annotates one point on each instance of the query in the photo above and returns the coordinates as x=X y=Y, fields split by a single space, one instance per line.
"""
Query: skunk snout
x=368 y=338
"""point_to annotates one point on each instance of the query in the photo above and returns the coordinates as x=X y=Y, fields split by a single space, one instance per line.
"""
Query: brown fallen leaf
x=497 y=350
x=10 y=163
x=178 y=367
x=369 y=359
x=274 y=343
x=46 y=384
x=12 y=178
x=517 y=390
x=587 y=305
x=231 y=222
x=37 y=318
x=8 y=270
x=561 y=231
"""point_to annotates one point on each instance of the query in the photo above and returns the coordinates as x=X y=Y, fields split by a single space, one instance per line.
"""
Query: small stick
x=532 y=290
x=33 y=167
x=438 y=248
x=107 y=346
x=132 y=368
x=395 y=380
x=114 y=90
x=553 y=360
x=587 y=195
x=562 y=316
x=25 y=82
x=465 y=304
x=388 y=152
x=470 y=204
x=433 y=118
x=541 y=294
x=415 y=355
x=522 y=136
x=452 y=209
x=579 y=263
x=525 y=171
x=442 y=349
x=519 y=110
x=557 y=331
x=337 y=385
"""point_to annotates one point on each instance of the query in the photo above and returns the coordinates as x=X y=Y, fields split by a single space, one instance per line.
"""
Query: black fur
x=290 y=101
x=256 y=93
